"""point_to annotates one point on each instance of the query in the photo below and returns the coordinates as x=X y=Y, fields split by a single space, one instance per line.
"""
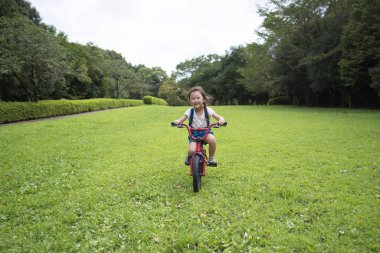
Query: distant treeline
x=39 y=63
x=311 y=52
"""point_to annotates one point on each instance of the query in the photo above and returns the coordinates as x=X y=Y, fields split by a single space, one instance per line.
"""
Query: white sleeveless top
x=200 y=121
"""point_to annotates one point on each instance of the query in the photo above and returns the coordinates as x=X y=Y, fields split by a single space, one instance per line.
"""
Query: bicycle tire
x=197 y=173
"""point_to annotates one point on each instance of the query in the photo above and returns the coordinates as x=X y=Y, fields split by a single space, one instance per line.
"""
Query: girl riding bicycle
x=199 y=116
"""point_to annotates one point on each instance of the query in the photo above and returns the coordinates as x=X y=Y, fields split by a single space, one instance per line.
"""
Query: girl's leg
x=192 y=149
x=211 y=141
x=190 y=152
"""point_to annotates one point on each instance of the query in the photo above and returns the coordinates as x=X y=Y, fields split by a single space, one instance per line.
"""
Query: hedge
x=18 y=111
x=149 y=100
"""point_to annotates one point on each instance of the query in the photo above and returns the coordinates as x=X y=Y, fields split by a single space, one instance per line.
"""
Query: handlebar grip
x=175 y=125
x=219 y=125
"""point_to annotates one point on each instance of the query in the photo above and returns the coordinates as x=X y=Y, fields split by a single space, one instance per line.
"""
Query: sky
x=156 y=33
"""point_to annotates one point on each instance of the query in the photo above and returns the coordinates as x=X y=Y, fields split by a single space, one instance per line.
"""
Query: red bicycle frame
x=199 y=141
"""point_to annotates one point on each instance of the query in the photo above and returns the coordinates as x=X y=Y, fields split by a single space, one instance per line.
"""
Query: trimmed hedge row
x=149 y=100
x=17 y=111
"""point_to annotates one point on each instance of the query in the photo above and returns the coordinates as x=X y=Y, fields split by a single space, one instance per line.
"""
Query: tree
x=324 y=53
x=118 y=73
x=285 y=29
x=77 y=75
x=227 y=88
x=32 y=57
x=192 y=72
x=14 y=8
x=154 y=77
x=256 y=76
x=203 y=71
x=97 y=71
x=171 y=92
x=303 y=39
x=361 y=47
x=374 y=73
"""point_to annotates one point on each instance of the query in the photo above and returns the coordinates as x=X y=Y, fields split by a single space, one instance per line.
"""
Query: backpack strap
x=207 y=116
x=191 y=117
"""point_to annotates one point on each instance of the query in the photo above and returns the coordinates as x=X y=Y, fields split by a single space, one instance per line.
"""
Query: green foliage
x=187 y=72
x=374 y=73
x=256 y=73
x=320 y=51
x=13 y=8
x=279 y=101
x=199 y=71
x=218 y=75
x=33 y=57
x=149 y=100
x=316 y=52
x=17 y=111
x=172 y=93
x=227 y=89
x=289 y=179
x=36 y=63
x=154 y=76
x=360 y=44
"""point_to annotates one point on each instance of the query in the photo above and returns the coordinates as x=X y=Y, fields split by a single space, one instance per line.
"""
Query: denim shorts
x=199 y=134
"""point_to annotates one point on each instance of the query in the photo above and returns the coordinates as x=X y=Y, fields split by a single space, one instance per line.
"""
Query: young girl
x=201 y=118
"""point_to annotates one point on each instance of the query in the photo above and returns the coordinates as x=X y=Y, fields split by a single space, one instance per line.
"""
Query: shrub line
x=26 y=111
x=20 y=111
x=57 y=117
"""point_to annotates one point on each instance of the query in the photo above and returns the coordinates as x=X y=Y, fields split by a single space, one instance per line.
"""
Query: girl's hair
x=203 y=93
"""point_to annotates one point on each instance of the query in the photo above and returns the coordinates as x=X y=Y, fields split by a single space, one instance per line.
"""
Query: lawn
x=289 y=179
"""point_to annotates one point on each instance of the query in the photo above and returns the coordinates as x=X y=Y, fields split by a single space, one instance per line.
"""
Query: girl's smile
x=196 y=99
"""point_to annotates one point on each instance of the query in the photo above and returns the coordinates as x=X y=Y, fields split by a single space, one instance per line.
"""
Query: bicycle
x=198 y=161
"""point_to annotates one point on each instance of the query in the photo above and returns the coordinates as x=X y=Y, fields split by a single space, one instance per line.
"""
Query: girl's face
x=196 y=99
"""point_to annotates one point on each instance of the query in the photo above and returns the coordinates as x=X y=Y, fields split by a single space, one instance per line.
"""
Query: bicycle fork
x=201 y=153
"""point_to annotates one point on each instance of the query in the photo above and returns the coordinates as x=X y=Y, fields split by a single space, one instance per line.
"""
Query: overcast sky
x=155 y=32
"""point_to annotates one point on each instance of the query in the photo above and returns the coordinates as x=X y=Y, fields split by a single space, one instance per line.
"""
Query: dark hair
x=203 y=93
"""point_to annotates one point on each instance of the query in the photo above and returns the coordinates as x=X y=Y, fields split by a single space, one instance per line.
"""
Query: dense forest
x=310 y=52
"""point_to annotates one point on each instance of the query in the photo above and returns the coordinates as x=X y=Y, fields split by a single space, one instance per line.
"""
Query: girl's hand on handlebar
x=222 y=122
x=175 y=123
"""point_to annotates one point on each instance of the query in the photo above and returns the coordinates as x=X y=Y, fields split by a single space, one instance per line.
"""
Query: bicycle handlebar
x=191 y=129
x=215 y=125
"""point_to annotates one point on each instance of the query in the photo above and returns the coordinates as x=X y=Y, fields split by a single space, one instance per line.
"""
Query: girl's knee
x=192 y=149
x=211 y=139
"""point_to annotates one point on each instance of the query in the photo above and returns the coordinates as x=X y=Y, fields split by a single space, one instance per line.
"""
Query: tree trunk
x=117 y=88
x=347 y=97
x=34 y=82
x=349 y=100
x=332 y=93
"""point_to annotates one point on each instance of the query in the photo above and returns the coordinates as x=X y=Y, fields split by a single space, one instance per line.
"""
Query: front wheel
x=197 y=173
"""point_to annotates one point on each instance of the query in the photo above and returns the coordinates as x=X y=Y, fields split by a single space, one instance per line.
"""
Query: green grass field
x=289 y=180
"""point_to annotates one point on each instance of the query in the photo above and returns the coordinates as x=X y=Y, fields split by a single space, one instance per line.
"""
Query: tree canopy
x=311 y=52
x=37 y=62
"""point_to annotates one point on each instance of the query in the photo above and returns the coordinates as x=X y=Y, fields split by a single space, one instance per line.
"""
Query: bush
x=17 y=111
x=149 y=100
x=279 y=101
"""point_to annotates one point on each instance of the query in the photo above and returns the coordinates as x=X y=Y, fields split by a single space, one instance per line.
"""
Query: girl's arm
x=180 y=120
x=219 y=118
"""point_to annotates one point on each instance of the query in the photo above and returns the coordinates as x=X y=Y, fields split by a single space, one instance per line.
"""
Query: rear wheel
x=197 y=172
